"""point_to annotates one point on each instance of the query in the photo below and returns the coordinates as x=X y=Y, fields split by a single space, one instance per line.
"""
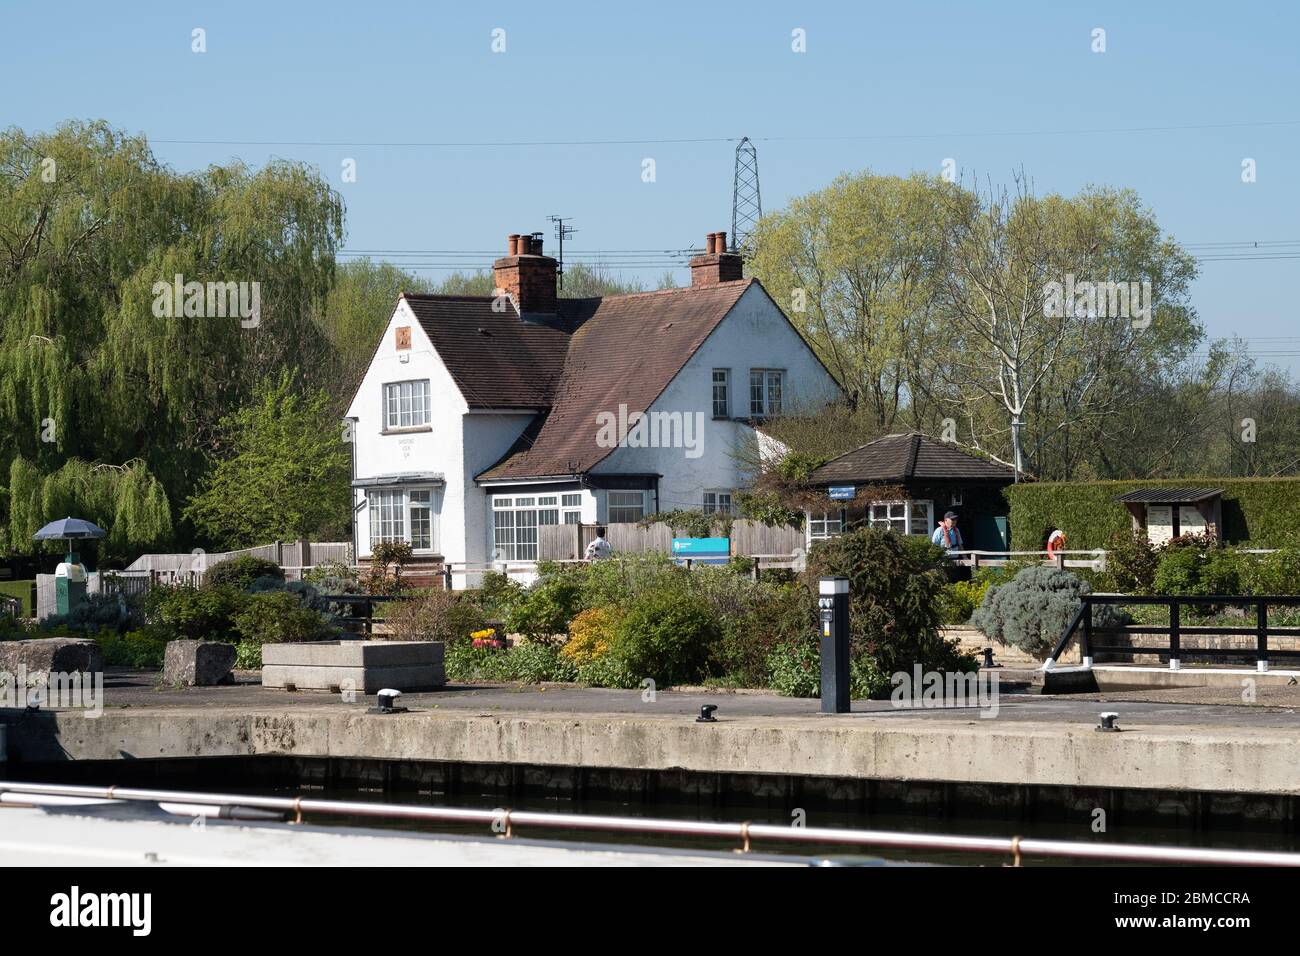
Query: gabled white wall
x=439 y=449
x=754 y=334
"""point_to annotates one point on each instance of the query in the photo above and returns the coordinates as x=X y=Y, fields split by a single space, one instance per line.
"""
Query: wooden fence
x=567 y=542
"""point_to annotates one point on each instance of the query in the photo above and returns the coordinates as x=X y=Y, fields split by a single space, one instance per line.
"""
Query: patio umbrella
x=68 y=529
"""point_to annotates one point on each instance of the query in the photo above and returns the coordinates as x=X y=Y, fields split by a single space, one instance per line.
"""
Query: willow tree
x=126 y=501
x=91 y=226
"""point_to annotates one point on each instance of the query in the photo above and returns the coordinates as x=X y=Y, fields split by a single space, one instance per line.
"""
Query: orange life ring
x=1055 y=542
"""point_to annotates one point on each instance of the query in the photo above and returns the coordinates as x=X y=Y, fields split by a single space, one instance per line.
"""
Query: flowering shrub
x=590 y=634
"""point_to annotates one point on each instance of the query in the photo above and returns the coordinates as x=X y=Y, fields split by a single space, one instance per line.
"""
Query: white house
x=482 y=418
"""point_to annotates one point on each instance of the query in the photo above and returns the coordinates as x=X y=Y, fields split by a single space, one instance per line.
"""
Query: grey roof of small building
x=910 y=456
x=1169 y=496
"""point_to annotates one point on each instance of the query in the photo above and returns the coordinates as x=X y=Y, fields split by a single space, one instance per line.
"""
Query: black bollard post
x=833 y=602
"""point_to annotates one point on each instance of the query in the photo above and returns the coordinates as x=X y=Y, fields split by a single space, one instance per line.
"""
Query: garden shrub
x=386 y=555
x=1276 y=573
x=960 y=599
x=772 y=615
x=545 y=609
x=539 y=663
x=142 y=649
x=1033 y=609
x=795 y=669
x=895 y=598
x=100 y=612
x=278 y=617
x=626 y=577
x=665 y=637
x=498 y=593
x=609 y=670
x=334 y=577
x=1131 y=563
x=248 y=656
x=433 y=615
x=242 y=571
x=205 y=613
x=591 y=633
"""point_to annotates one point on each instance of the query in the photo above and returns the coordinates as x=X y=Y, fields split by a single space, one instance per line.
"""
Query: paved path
x=1276 y=707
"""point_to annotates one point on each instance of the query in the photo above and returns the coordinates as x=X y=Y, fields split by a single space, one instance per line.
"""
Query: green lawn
x=21 y=590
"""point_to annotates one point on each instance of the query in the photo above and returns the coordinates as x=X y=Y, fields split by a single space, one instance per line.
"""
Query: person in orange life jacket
x=948 y=535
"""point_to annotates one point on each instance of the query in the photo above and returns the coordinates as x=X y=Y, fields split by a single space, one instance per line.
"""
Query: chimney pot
x=722 y=242
x=710 y=243
x=513 y=241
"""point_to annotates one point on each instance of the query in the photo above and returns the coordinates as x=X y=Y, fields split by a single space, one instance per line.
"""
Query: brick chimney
x=526 y=275
x=717 y=264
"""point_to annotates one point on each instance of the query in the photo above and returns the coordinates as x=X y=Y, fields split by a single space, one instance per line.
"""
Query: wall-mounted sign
x=702 y=550
x=1160 y=524
x=841 y=492
x=403 y=337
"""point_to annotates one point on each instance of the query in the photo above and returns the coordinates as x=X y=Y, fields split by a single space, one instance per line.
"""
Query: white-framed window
x=407 y=404
x=905 y=517
x=516 y=518
x=825 y=524
x=626 y=506
x=920 y=519
x=722 y=393
x=399 y=514
x=718 y=502
x=572 y=508
x=765 y=389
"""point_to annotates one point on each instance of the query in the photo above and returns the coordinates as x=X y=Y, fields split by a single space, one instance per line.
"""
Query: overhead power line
x=649 y=141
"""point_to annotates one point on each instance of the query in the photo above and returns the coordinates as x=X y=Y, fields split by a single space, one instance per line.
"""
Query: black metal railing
x=1084 y=627
x=361 y=617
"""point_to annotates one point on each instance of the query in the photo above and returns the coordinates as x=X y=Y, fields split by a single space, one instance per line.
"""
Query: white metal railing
x=503 y=822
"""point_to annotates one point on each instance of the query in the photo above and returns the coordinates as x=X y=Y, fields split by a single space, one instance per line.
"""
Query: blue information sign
x=841 y=492
x=702 y=550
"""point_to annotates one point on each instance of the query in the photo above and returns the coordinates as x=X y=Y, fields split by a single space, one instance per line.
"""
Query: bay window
x=398 y=514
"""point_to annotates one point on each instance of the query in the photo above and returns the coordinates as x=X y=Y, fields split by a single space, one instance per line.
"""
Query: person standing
x=599 y=547
x=948 y=535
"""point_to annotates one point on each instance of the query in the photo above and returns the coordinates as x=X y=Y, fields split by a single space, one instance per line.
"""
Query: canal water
x=1263 y=823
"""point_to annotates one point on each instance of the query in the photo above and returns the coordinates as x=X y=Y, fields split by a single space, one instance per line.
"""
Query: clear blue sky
x=924 y=79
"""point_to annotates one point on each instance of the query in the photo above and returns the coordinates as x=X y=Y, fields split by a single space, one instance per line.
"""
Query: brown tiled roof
x=496 y=359
x=622 y=350
x=909 y=457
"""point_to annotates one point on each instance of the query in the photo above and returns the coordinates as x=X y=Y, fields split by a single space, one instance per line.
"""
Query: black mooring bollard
x=833 y=602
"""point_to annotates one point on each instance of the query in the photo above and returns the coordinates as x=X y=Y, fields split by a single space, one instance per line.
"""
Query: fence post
x=756 y=560
x=1085 y=640
x=1261 y=634
x=1175 y=634
x=1060 y=559
x=975 y=560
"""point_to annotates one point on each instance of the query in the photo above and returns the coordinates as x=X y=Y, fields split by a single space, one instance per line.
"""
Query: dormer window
x=407 y=405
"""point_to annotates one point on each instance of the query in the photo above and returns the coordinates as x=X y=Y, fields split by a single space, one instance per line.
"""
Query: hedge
x=1257 y=512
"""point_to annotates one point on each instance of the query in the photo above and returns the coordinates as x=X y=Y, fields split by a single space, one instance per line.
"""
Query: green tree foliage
x=90 y=222
x=282 y=471
x=126 y=501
